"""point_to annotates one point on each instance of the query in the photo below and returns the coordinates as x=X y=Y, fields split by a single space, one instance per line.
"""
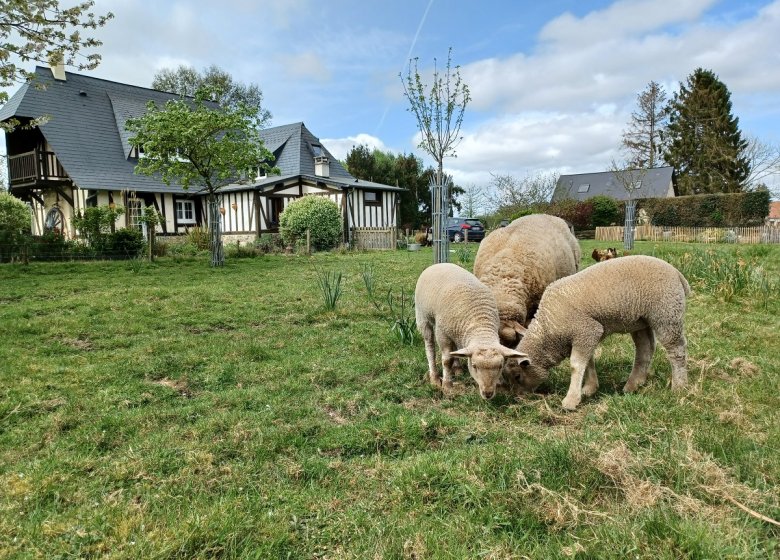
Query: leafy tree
x=226 y=92
x=439 y=113
x=15 y=224
x=703 y=141
x=43 y=32
x=642 y=140
x=197 y=143
x=606 y=211
x=319 y=215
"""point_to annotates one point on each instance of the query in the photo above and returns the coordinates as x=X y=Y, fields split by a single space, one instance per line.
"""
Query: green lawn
x=177 y=411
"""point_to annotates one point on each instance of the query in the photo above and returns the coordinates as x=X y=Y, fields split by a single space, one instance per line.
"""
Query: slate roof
x=87 y=132
x=84 y=128
x=656 y=183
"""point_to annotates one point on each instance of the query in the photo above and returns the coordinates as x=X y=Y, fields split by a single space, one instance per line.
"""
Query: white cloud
x=307 y=65
x=340 y=147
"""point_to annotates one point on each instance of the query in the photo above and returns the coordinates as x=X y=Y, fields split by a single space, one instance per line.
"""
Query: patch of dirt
x=178 y=385
x=79 y=343
x=744 y=367
x=335 y=415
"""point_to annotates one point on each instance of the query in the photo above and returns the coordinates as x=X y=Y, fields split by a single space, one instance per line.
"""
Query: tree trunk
x=215 y=232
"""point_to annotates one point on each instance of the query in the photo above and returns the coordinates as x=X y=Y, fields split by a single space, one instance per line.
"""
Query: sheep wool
x=456 y=311
x=640 y=295
x=519 y=261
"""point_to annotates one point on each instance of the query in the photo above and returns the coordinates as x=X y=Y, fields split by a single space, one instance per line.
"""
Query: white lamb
x=519 y=261
x=456 y=309
x=640 y=295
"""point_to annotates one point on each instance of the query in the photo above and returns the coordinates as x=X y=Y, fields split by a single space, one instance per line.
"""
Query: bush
x=606 y=211
x=319 y=215
x=269 y=243
x=125 y=243
x=708 y=210
x=14 y=225
x=95 y=223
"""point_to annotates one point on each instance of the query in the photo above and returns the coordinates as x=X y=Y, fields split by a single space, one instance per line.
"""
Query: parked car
x=460 y=229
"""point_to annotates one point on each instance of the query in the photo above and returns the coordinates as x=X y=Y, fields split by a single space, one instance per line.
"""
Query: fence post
x=308 y=242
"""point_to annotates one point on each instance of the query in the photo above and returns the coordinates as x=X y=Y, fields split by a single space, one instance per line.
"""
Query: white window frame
x=183 y=207
x=135 y=211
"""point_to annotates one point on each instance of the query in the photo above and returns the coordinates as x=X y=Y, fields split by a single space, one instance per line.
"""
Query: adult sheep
x=640 y=295
x=456 y=311
x=519 y=261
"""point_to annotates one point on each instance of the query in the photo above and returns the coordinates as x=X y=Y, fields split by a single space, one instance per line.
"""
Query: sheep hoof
x=630 y=387
x=590 y=390
x=447 y=384
x=570 y=403
x=435 y=381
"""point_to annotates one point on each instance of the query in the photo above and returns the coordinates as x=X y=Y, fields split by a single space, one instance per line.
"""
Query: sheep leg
x=448 y=361
x=673 y=341
x=580 y=358
x=644 y=341
x=591 y=380
x=430 y=353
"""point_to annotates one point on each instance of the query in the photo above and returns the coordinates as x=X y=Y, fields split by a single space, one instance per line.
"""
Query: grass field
x=170 y=410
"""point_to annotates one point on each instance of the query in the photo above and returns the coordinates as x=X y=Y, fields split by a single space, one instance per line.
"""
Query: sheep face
x=486 y=366
x=524 y=375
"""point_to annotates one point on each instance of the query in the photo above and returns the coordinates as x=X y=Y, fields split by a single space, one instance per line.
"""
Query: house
x=773 y=219
x=81 y=157
x=658 y=182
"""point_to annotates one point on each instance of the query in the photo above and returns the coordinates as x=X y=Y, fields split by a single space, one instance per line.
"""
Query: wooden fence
x=747 y=235
x=374 y=238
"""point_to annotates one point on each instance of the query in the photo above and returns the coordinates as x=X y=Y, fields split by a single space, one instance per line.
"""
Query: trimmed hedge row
x=708 y=210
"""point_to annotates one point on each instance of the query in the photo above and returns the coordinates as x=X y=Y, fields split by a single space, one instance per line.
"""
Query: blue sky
x=553 y=82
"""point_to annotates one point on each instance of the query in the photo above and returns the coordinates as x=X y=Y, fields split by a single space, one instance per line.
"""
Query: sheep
x=519 y=261
x=638 y=294
x=456 y=309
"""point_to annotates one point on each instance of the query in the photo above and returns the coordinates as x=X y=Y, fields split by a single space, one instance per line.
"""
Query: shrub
x=606 y=211
x=125 y=243
x=708 y=210
x=14 y=225
x=269 y=243
x=319 y=215
x=94 y=225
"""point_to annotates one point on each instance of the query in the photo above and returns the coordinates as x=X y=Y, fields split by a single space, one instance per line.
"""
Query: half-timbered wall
x=379 y=213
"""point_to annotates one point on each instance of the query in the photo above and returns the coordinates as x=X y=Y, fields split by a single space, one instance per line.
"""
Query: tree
x=41 y=31
x=703 y=141
x=475 y=200
x=225 y=91
x=642 y=140
x=197 y=143
x=439 y=114
x=764 y=163
x=533 y=192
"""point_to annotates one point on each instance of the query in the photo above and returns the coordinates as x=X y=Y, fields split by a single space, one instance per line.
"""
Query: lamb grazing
x=519 y=261
x=604 y=254
x=460 y=312
x=640 y=295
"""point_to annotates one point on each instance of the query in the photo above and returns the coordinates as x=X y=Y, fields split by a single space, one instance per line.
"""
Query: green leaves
x=317 y=214
x=194 y=142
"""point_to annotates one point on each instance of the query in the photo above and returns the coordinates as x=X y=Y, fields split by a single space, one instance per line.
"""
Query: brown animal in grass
x=604 y=254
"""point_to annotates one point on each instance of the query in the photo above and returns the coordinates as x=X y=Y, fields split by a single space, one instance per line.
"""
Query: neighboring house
x=82 y=157
x=773 y=219
x=657 y=182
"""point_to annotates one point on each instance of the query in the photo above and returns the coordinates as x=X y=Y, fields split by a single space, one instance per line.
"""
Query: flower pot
x=413 y=246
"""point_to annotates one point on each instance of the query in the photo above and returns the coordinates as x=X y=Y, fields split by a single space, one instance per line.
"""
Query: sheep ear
x=522 y=358
x=462 y=353
x=519 y=329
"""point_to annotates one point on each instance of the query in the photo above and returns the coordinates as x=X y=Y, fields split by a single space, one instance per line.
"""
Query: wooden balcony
x=35 y=168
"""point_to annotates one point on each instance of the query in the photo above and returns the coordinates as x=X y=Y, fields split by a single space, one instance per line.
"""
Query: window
x=583 y=188
x=637 y=185
x=372 y=198
x=135 y=211
x=185 y=211
x=317 y=150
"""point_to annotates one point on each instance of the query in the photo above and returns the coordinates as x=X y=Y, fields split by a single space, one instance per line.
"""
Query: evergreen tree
x=642 y=140
x=703 y=141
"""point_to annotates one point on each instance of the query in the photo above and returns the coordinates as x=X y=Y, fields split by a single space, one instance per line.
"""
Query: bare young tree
x=474 y=201
x=642 y=139
x=439 y=113
x=764 y=161
x=533 y=191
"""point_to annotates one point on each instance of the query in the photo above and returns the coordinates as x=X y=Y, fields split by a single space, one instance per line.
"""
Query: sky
x=553 y=83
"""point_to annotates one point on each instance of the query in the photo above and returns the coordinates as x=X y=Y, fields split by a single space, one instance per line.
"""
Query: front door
x=275 y=208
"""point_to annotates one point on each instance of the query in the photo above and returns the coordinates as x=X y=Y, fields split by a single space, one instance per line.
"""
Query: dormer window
x=317 y=150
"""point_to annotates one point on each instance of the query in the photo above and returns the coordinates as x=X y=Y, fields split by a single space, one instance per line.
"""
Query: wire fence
x=45 y=251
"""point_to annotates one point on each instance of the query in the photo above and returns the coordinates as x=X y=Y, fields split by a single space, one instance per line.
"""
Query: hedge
x=707 y=210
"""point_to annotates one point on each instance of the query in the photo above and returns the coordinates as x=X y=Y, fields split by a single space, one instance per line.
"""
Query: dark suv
x=460 y=229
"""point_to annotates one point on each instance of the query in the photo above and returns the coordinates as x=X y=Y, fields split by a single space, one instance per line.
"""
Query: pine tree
x=703 y=141
x=642 y=140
